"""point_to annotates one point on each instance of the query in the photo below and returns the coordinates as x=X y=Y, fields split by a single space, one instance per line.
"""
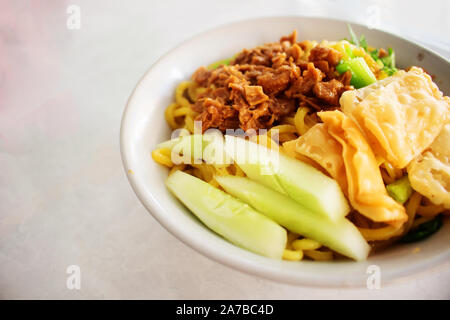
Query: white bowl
x=143 y=126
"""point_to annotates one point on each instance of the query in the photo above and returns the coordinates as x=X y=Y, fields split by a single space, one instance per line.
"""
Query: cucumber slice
x=298 y=180
x=231 y=218
x=185 y=149
x=187 y=139
x=197 y=148
x=341 y=236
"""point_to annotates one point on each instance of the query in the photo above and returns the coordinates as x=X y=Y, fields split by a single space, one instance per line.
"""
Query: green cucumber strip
x=298 y=180
x=341 y=236
x=229 y=217
x=196 y=148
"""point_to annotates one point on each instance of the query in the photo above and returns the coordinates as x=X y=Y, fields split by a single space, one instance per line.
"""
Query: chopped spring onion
x=387 y=63
x=400 y=190
x=363 y=43
x=354 y=39
x=423 y=231
x=361 y=74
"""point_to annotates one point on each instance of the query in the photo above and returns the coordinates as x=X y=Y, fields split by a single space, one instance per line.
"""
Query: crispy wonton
x=340 y=148
x=429 y=173
x=400 y=115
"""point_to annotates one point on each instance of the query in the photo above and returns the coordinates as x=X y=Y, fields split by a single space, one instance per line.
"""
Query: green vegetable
x=423 y=231
x=400 y=190
x=217 y=64
x=298 y=180
x=390 y=71
x=197 y=148
x=361 y=74
x=387 y=63
x=374 y=54
x=191 y=145
x=354 y=38
x=363 y=43
x=229 y=217
x=349 y=52
x=341 y=236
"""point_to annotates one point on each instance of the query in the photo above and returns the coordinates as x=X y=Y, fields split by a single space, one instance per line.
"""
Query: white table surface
x=64 y=197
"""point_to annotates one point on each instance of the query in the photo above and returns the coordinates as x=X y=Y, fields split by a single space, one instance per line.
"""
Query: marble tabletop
x=64 y=197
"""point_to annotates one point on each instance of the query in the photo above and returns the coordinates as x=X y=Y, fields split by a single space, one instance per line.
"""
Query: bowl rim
x=154 y=208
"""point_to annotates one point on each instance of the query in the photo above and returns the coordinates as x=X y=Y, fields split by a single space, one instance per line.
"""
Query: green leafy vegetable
x=374 y=54
x=197 y=148
x=387 y=63
x=341 y=235
x=400 y=190
x=363 y=43
x=423 y=231
x=361 y=74
x=295 y=179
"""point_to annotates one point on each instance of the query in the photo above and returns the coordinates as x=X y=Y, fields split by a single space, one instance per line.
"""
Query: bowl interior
x=143 y=126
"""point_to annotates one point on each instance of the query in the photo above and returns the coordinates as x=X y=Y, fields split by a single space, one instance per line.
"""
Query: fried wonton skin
x=339 y=147
x=400 y=115
x=289 y=148
x=429 y=173
x=317 y=144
